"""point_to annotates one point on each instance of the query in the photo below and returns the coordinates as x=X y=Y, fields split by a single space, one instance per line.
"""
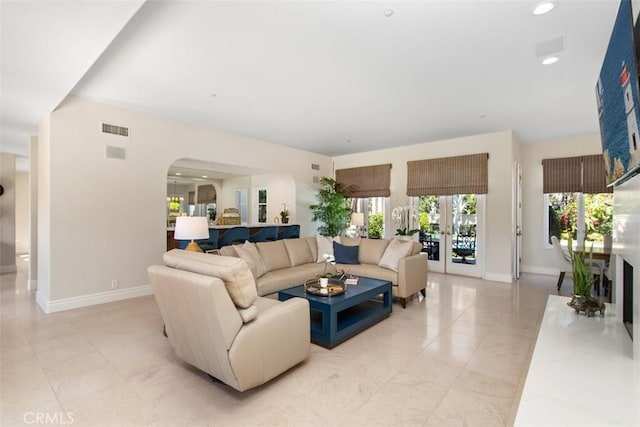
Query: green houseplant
x=332 y=208
x=284 y=214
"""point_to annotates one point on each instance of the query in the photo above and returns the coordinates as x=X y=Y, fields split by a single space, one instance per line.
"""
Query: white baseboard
x=498 y=277
x=94 y=299
x=7 y=269
x=540 y=270
x=32 y=285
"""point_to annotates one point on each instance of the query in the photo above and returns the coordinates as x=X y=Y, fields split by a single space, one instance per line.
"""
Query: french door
x=453 y=241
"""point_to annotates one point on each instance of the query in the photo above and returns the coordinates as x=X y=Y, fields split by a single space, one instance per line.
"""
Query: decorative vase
x=285 y=220
x=406 y=238
x=324 y=281
x=588 y=304
x=608 y=242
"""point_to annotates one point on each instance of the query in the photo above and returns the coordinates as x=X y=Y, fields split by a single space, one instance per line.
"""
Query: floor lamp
x=191 y=228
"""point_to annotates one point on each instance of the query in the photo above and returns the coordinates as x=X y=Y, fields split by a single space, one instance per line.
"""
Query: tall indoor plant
x=332 y=208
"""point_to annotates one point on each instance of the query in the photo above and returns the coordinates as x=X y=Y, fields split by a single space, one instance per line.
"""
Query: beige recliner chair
x=216 y=322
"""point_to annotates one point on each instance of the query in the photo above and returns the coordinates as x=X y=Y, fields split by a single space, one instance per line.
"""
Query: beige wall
x=499 y=200
x=537 y=257
x=22 y=212
x=8 y=213
x=108 y=219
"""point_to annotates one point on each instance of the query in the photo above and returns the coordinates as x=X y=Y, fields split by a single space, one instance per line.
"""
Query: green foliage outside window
x=563 y=216
x=376 y=225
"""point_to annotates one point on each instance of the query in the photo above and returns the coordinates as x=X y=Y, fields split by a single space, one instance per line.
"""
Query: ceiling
x=332 y=77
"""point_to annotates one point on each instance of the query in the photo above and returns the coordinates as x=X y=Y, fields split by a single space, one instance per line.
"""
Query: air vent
x=315 y=166
x=115 y=129
x=550 y=47
x=115 y=152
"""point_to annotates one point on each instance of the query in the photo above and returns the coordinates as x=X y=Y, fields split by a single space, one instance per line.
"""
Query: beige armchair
x=216 y=322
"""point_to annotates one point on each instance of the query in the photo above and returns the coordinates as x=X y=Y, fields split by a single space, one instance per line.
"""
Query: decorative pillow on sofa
x=249 y=253
x=325 y=246
x=345 y=254
x=395 y=250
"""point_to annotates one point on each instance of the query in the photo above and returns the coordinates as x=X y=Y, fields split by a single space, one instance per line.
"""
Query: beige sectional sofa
x=285 y=263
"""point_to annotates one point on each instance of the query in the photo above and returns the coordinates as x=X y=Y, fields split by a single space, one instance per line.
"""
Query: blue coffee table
x=337 y=318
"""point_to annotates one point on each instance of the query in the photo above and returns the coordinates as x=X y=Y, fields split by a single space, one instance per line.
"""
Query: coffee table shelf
x=337 y=318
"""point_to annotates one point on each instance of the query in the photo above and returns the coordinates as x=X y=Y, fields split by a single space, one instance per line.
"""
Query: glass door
x=449 y=232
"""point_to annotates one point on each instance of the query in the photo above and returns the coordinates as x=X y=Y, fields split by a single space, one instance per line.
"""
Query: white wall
x=499 y=200
x=108 y=219
x=536 y=257
x=22 y=212
x=281 y=188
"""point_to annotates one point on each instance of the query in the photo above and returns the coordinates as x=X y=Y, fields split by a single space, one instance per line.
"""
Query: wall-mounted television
x=617 y=98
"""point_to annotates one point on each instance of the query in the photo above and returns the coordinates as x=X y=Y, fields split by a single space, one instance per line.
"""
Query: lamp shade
x=357 y=218
x=191 y=228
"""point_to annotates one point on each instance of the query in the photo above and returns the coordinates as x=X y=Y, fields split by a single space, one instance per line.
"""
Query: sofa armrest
x=279 y=338
x=412 y=275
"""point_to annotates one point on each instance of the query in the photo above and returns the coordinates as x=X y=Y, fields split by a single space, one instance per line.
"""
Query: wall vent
x=115 y=152
x=550 y=47
x=115 y=129
x=315 y=166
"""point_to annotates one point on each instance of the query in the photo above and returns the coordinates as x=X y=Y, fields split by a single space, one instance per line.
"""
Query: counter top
x=224 y=227
x=582 y=371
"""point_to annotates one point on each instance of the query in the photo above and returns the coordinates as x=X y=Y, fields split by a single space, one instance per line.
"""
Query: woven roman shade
x=366 y=181
x=582 y=174
x=206 y=194
x=448 y=175
x=594 y=175
x=192 y=197
x=562 y=175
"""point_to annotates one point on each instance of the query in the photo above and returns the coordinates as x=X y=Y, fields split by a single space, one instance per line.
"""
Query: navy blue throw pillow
x=345 y=254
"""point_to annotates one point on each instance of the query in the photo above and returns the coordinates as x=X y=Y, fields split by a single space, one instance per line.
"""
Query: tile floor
x=457 y=357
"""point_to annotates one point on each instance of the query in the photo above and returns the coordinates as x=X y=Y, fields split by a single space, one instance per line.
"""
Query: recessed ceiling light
x=178 y=174
x=544 y=7
x=388 y=13
x=205 y=176
x=483 y=116
x=550 y=60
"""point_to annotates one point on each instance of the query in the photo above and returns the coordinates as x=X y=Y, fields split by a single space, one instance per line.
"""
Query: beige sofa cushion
x=274 y=255
x=313 y=246
x=298 y=251
x=350 y=241
x=252 y=257
x=371 y=250
x=395 y=250
x=325 y=246
x=234 y=272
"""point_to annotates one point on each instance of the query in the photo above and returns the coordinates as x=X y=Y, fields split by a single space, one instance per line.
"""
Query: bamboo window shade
x=445 y=176
x=366 y=181
x=206 y=194
x=582 y=174
x=192 y=197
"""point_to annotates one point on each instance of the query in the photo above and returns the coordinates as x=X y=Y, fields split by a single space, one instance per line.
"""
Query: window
x=373 y=208
x=241 y=199
x=262 y=205
x=578 y=216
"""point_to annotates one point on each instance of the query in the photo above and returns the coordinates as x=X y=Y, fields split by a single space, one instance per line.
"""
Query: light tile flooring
x=457 y=357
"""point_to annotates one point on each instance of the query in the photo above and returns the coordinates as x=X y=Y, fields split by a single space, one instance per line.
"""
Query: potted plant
x=284 y=214
x=332 y=208
x=582 y=299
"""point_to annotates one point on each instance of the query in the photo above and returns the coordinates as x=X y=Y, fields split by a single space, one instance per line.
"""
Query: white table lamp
x=191 y=228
